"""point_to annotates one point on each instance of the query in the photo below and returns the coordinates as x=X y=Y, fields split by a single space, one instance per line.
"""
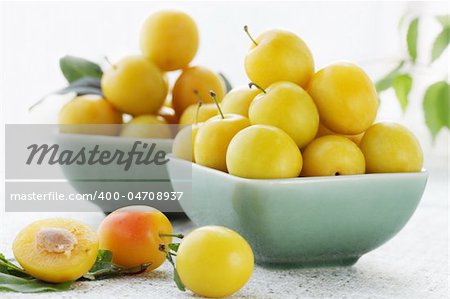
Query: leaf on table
x=178 y=282
x=440 y=43
x=436 y=106
x=8 y=267
x=411 y=38
x=15 y=279
x=176 y=277
x=386 y=81
x=104 y=268
x=444 y=20
x=75 y=68
x=102 y=265
x=228 y=85
x=13 y=283
x=402 y=84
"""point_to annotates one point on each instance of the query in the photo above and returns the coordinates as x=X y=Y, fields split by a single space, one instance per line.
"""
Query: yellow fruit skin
x=89 y=109
x=324 y=131
x=390 y=147
x=287 y=106
x=345 y=97
x=183 y=144
x=214 y=261
x=279 y=56
x=198 y=79
x=147 y=126
x=205 y=112
x=238 y=100
x=51 y=266
x=170 y=39
x=263 y=152
x=332 y=155
x=135 y=86
x=213 y=138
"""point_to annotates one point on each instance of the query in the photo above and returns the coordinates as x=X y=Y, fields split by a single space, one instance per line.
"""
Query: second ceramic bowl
x=113 y=179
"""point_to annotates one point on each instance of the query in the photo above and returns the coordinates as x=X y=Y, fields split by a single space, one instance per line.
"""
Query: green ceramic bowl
x=315 y=221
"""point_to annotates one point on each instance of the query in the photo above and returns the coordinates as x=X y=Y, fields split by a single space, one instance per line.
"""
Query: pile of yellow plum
x=292 y=121
x=289 y=121
x=138 y=85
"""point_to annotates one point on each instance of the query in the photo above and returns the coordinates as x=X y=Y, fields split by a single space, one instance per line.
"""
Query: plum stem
x=109 y=62
x=198 y=111
x=213 y=95
x=251 y=84
x=200 y=103
x=249 y=35
x=179 y=236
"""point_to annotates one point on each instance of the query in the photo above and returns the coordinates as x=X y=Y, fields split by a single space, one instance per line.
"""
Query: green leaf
x=13 y=278
x=8 y=267
x=174 y=246
x=436 y=106
x=176 y=276
x=102 y=264
x=444 y=20
x=80 y=87
x=104 y=268
x=440 y=44
x=13 y=283
x=83 y=86
x=228 y=85
x=411 y=38
x=386 y=82
x=75 y=68
x=402 y=86
x=178 y=282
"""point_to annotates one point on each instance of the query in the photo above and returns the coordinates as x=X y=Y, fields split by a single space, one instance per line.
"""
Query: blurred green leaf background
x=436 y=99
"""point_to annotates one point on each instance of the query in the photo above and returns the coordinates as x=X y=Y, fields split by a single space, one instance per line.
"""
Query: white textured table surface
x=414 y=264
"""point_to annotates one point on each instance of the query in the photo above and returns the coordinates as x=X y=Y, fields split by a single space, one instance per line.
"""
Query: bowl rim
x=169 y=141
x=297 y=180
